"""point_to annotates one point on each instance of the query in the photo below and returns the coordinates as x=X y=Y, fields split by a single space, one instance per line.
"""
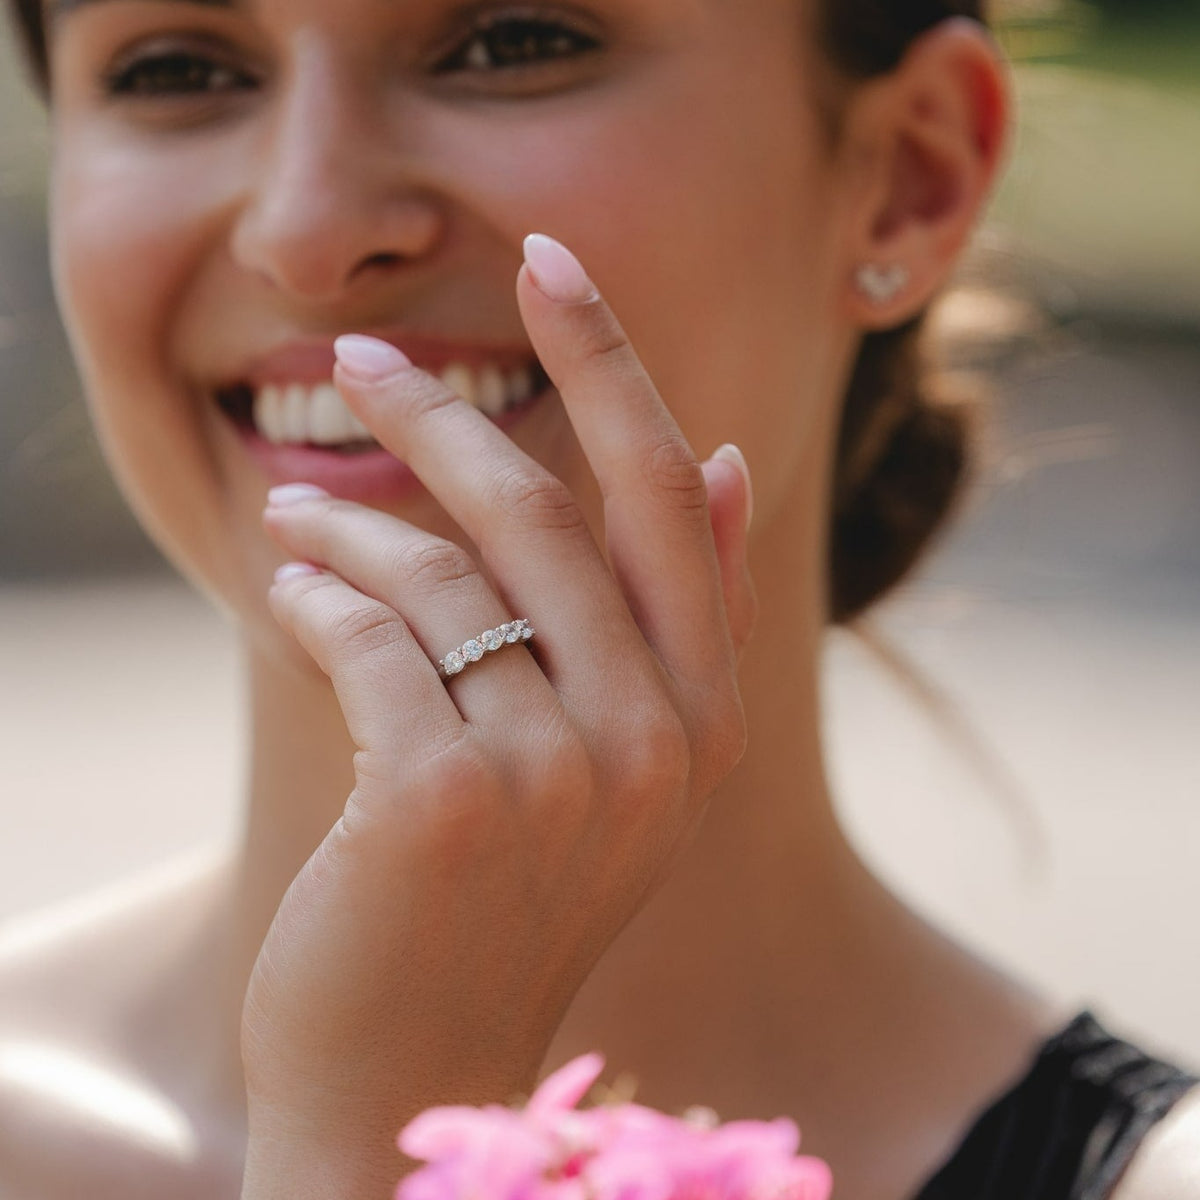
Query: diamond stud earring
x=882 y=284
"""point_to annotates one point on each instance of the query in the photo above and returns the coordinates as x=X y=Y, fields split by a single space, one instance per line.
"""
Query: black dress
x=1069 y=1128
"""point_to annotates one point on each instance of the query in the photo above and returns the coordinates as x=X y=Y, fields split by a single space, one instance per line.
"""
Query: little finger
x=395 y=706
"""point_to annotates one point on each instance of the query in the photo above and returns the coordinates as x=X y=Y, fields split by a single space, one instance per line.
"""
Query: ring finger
x=433 y=584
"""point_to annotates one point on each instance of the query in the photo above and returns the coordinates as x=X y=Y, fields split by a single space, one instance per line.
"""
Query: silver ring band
x=488 y=642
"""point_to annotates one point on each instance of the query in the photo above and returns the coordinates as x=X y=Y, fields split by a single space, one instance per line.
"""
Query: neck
x=300 y=775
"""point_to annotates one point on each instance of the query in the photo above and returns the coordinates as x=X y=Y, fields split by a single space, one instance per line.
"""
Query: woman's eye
x=175 y=73
x=517 y=41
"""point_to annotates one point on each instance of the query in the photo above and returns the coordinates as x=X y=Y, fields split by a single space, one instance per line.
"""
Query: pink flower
x=553 y=1151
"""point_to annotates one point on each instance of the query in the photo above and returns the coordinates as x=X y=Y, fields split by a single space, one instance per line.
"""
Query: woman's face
x=236 y=182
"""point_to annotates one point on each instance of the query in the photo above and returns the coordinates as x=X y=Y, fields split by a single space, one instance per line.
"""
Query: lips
x=295 y=425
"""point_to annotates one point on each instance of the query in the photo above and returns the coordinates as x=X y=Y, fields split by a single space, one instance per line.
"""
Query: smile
x=314 y=414
x=293 y=424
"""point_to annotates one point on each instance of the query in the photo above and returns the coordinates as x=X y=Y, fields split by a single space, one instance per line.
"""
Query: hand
x=506 y=824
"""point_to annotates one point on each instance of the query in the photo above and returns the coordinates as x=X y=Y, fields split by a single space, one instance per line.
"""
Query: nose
x=332 y=198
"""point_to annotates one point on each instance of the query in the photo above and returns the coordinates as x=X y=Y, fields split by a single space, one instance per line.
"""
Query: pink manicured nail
x=295 y=570
x=367 y=358
x=293 y=493
x=557 y=271
x=731 y=454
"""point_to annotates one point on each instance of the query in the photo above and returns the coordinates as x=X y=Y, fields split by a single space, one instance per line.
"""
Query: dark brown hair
x=903 y=453
x=904 y=447
x=28 y=18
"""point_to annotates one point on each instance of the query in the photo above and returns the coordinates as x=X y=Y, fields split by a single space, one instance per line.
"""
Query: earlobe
x=937 y=127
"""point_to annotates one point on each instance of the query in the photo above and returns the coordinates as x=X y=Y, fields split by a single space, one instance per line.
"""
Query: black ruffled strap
x=1069 y=1129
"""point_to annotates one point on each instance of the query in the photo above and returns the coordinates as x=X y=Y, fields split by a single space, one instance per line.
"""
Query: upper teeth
x=298 y=412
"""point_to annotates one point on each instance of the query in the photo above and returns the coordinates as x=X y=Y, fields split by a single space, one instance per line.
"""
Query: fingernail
x=556 y=271
x=295 y=570
x=731 y=454
x=367 y=358
x=293 y=493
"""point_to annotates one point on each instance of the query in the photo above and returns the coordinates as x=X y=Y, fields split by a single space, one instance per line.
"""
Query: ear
x=924 y=145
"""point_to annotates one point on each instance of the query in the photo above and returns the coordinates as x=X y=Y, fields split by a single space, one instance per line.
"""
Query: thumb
x=730 y=508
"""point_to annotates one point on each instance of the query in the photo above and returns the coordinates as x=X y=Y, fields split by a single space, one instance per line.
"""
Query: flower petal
x=565 y=1087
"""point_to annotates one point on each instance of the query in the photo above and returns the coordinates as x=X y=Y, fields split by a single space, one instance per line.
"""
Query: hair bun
x=904 y=452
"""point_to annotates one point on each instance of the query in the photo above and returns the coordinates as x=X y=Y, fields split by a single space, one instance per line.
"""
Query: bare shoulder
x=89 y=1102
x=82 y=960
x=1167 y=1166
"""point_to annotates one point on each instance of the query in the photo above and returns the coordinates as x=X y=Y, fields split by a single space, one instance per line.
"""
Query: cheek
x=709 y=230
x=126 y=231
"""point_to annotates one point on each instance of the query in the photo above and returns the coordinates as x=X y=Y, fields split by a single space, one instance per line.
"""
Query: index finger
x=659 y=535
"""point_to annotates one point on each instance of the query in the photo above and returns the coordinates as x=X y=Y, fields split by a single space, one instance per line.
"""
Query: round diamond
x=526 y=632
x=512 y=632
x=472 y=651
x=453 y=663
x=492 y=640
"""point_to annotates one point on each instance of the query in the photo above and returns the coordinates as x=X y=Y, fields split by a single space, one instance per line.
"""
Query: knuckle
x=459 y=773
x=453 y=770
x=535 y=498
x=656 y=760
x=671 y=467
x=460 y=800
x=364 y=628
x=602 y=341
x=449 y=801
x=558 y=779
x=435 y=564
x=721 y=739
x=292 y=599
x=427 y=396
x=302 y=588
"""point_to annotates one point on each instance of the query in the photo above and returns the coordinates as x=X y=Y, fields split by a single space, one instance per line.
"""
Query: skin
x=661 y=885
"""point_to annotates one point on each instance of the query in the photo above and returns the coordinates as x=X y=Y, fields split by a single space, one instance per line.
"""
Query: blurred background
x=1012 y=744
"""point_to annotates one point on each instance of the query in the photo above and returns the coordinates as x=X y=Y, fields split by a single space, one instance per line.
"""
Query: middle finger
x=530 y=532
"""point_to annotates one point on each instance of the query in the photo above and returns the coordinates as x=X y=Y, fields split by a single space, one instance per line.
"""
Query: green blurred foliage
x=1102 y=196
x=1156 y=41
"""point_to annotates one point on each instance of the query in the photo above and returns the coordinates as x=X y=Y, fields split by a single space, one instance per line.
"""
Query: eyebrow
x=57 y=9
